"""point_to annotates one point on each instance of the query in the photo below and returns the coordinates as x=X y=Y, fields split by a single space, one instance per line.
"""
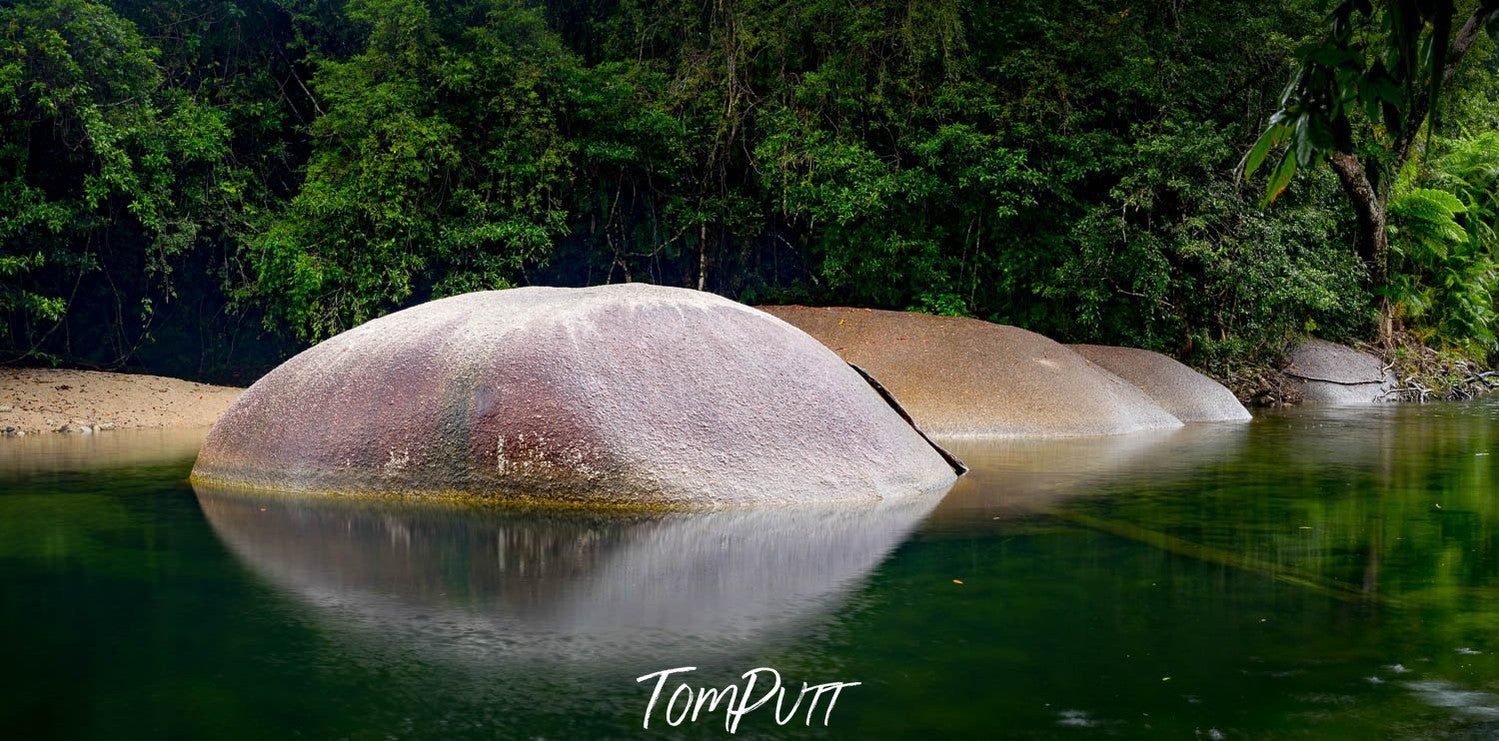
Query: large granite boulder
x=1186 y=394
x=630 y=395
x=965 y=377
x=1337 y=374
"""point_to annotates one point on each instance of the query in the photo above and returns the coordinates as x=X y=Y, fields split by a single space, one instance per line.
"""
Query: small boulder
x=966 y=377
x=1186 y=394
x=1337 y=374
x=629 y=395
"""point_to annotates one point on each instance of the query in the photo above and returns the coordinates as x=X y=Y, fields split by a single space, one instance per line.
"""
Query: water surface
x=1314 y=573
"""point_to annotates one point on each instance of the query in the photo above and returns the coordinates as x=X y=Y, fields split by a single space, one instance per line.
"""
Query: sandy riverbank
x=42 y=400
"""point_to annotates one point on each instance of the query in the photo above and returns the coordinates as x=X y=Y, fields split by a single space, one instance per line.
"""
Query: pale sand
x=38 y=400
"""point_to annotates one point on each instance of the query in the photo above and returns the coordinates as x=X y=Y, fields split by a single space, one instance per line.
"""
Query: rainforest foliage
x=194 y=186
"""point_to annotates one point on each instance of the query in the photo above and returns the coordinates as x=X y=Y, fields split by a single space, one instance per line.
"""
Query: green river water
x=1316 y=573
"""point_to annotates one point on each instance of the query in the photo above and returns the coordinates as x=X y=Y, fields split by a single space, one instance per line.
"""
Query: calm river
x=1316 y=573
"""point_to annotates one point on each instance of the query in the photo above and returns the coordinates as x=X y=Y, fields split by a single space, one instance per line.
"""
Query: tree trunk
x=702 y=257
x=1372 y=240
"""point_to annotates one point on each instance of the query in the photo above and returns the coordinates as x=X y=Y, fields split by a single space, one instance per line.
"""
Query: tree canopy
x=201 y=187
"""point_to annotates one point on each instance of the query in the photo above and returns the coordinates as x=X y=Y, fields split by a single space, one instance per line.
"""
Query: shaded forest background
x=201 y=188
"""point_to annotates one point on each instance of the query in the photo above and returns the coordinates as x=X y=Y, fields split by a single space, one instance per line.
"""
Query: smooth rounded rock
x=629 y=395
x=1337 y=374
x=966 y=377
x=1186 y=394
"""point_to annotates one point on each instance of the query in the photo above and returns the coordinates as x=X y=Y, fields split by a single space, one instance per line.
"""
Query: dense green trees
x=439 y=163
x=1359 y=99
x=105 y=167
x=227 y=173
x=1443 y=214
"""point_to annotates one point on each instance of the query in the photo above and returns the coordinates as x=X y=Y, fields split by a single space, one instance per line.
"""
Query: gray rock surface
x=628 y=395
x=1186 y=394
x=965 y=377
x=1330 y=373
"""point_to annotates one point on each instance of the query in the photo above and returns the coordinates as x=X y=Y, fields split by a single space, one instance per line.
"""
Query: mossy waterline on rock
x=962 y=377
x=623 y=395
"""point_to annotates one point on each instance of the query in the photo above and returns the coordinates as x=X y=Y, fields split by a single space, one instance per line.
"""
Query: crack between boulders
x=1329 y=380
x=958 y=466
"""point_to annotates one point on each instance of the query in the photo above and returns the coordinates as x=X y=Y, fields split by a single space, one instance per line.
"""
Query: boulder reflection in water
x=475 y=582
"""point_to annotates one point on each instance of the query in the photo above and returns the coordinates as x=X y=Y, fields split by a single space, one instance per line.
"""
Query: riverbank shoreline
x=46 y=400
x=1412 y=372
x=37 y=401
